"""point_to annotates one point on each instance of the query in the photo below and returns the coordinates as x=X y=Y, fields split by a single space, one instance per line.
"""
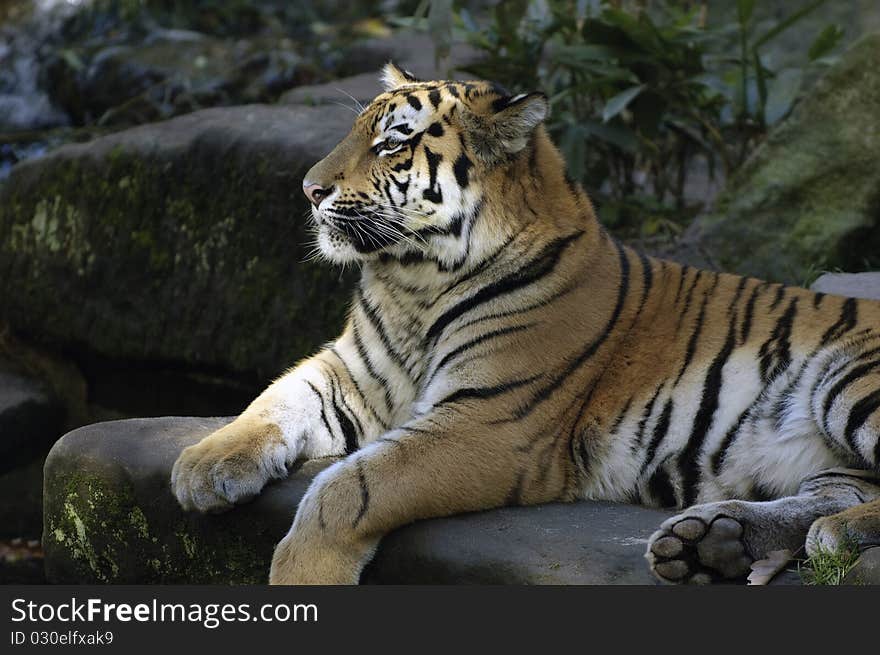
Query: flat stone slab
x=867 y=570
x=855 y=285
x=109 y=516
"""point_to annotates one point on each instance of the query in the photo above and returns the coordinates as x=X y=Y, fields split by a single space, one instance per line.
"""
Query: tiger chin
x=503 y=349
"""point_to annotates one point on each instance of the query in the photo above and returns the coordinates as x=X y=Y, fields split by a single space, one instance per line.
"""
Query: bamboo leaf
x=619 y=102
x=825 y=42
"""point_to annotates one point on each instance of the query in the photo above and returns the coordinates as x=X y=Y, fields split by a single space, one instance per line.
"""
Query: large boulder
x=809 y=197
x=855 y=285
x=109 y=516
x=409 y=50
x=182 y=241
x=31 y=419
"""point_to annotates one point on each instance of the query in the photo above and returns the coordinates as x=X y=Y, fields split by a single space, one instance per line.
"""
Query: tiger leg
x=314 y=410
x=845 y=404
x=721 y=540
x=407 y=475
x=857 y=527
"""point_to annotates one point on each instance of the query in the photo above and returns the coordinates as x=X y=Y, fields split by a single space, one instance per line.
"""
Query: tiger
x=503 y=349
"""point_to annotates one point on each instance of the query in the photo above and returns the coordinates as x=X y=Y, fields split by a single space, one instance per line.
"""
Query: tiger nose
x=315 y=192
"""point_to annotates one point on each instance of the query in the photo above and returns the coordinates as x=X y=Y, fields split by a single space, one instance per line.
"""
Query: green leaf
x=619 y=102
x=573 y=146
x=825 y=42
x=788 y=22
x=744 y=10
x=782 y=93
x=616 y=136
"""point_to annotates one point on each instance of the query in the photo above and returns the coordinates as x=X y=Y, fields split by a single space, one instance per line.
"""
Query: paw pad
x=693 y=551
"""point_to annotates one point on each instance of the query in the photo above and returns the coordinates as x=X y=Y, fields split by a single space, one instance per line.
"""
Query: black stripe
x=749 y=313
x=365 y=494
x=661 y=429
x=362 y=352
x=692 y=342
x=474 y=342
x=487 y=392
x=776 y=351
x=376 y=323
x=719 y=455
x=740 y=287
x=546 y=391
x=531 y=272
x=647 y=279
x=348 y=431
x=522 y=310
x=364 y=400
x=840 y=385
x=336 y=388
x=461 y=169
x=780 y=294
x=684 y=271
x=846 y=322
x=646 y=414
x=859 y=414
x=323 y=412
x=817 y=300
x=688 y=298
x=661 y=489
x=615 y=424
x=687 y=460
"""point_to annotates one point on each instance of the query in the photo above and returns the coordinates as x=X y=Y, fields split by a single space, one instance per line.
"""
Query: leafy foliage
x=640 y=91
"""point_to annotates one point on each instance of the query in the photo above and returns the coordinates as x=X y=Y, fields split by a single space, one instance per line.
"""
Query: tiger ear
x=393 y=77
x=506 y=131
x=516 y=117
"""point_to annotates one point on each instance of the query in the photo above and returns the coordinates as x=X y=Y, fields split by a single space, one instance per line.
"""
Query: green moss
x=808 y=197
x=99 y=529
x=211 y=247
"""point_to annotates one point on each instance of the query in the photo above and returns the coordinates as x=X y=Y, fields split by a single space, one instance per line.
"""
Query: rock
x=182 y=241
x=411 y=51
x=855 y=285
x=110 y=517
x=31 y=419
x=172 y=72
x=866 y=571
x=808 y=197
x=21 y=512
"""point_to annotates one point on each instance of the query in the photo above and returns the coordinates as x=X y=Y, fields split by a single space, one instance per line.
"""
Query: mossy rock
x=110 y=517
x=809 y=198
x=182 y=241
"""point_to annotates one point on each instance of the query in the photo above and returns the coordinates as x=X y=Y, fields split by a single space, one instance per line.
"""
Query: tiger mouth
x=365 y=235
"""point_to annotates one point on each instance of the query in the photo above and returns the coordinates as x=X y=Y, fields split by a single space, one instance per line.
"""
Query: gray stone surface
x=867 y=570
x=21 y=510
x=412 y=51
x=808 y=197
x=31 y=419
x=855 y=285
x=110 y=517
x=181 y=241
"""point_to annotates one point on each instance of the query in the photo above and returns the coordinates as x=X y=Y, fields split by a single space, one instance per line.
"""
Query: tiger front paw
x=704 y=544
x=229 y=466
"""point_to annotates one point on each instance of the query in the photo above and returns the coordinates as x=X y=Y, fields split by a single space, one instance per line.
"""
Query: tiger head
x=409 y=179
